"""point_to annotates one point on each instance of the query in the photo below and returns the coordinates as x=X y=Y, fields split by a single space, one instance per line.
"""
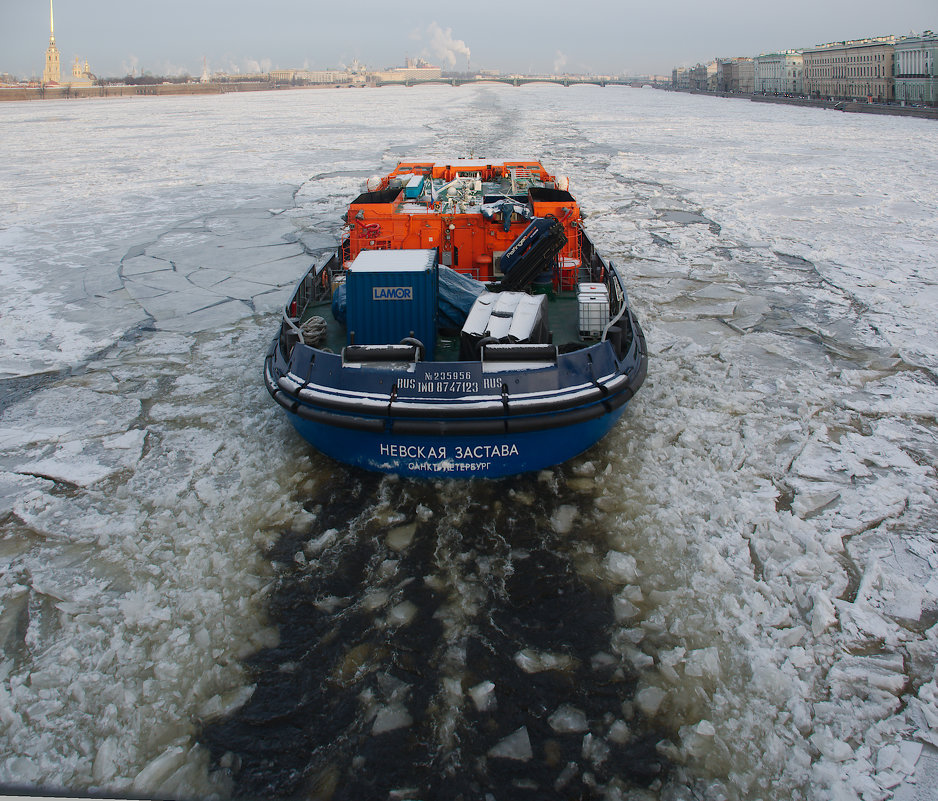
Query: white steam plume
x=445 y=46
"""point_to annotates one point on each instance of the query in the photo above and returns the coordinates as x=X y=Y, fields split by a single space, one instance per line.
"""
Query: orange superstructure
x=470 y=211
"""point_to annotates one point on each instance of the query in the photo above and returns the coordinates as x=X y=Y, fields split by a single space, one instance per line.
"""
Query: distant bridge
x=516 y=80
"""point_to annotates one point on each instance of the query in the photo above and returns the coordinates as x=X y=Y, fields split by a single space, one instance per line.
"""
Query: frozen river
x=732 y=596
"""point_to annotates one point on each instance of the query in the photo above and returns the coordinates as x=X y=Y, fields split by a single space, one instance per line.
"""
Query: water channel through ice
x=732 y=596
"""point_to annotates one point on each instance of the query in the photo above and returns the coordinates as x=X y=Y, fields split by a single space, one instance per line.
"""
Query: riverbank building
x=917 y=69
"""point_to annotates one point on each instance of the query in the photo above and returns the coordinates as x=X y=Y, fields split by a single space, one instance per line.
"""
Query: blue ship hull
x=456 y=457
x=485 y=425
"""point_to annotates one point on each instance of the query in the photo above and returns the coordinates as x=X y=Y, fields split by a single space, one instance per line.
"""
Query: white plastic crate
x=592 y=289
x=593 y=315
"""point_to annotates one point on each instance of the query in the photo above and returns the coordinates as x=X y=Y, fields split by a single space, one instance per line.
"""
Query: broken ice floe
x=71 y=435
x=192 y=279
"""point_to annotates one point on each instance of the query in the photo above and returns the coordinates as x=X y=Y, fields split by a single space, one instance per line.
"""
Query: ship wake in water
x=439 y=644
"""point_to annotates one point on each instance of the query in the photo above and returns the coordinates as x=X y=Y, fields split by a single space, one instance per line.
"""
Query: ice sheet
x=764 y=516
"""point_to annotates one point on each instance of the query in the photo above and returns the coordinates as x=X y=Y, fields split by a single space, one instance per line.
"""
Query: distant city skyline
x=592 y=36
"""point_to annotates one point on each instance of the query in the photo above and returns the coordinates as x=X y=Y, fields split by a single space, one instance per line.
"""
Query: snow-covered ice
x=764 y=519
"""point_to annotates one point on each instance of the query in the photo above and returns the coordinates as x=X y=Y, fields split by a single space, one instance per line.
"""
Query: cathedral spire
x=52 y=72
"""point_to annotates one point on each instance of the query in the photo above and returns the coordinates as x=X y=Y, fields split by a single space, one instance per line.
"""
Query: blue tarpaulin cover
x=340 y=304
x=457 y=293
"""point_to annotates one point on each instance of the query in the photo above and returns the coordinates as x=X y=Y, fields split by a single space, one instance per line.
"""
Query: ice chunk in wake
x=568 y=720
x=859 y=621
x=563 y=518
x=402 y=614
x=922 y=763
x=649 y=699
x=703 y=662
x=903 y=756
x=144 y=608
x=810 y=499
x=390 y=718
x=219 y=705
x=823 y=615
x=483 y=696
x=620 y=567
x=515 y=746
x=834 y=749
x=105 y=761
x=531 y=661
x=160 y=769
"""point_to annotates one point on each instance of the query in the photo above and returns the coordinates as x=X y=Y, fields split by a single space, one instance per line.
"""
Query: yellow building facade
x=851 y=70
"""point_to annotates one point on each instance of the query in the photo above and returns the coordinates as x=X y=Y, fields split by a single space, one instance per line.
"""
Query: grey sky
x=598 y=36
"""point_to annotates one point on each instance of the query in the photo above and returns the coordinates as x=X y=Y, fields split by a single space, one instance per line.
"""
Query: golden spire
x=52 y=73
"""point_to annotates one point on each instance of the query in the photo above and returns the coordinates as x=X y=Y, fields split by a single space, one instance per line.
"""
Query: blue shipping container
x=392 y=294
